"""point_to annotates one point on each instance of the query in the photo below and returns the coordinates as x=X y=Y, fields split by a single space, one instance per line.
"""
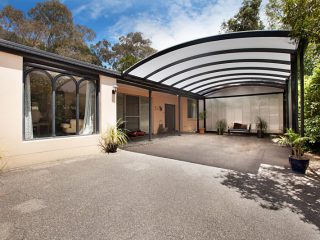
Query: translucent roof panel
x=256 y=56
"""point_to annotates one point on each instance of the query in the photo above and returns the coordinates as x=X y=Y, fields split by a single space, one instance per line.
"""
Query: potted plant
x=202 y=116
x=221 y=126
x=261 y=126
x=298 y=162
x=114 y=137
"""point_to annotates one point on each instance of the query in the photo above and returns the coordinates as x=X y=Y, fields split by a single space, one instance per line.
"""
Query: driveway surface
x=129 y=195
x=237 y=152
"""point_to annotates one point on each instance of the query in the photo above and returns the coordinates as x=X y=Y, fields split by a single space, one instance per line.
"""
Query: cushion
x=237 y=125
x=243 y=126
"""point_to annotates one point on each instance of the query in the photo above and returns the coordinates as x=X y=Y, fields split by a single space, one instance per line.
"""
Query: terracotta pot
x=202 y=130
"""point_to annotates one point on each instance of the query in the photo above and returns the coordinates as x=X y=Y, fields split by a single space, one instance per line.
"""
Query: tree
x=129 y=50
x=275 y=15
x=312 y=108
x=48 y=26
x=246 y=19
x=303 y=18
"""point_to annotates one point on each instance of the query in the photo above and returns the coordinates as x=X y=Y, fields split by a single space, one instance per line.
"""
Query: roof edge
x=27 y=51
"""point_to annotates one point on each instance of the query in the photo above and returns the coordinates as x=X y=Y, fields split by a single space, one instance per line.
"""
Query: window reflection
x=87 y=107
x=66 y=106
x=37 y=105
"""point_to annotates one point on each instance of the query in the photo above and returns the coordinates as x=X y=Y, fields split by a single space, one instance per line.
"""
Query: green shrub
x=261 y=124
x=113 y=138
x=221 y=126
x=312 y=110
x=293 y=140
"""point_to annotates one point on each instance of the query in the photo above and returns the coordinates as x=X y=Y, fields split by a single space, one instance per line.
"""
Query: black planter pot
x=260 y=134
x=299 y=166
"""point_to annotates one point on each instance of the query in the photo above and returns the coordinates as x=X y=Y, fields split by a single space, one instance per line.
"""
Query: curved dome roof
x=209 y=64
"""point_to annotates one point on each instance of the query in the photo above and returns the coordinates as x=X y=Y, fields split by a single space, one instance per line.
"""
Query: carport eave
x=154 y=86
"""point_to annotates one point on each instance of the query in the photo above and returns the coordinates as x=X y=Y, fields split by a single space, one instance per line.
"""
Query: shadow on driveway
x=277 y=188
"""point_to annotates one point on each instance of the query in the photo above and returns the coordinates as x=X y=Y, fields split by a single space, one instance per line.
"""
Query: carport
x=242 y=64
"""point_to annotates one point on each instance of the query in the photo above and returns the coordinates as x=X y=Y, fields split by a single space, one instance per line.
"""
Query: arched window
x=57 y=103
x=87 y=107
x=65 y=105
x=37 y=104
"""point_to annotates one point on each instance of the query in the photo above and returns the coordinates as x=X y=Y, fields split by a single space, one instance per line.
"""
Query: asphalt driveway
x=129 y=195
x=237 y=152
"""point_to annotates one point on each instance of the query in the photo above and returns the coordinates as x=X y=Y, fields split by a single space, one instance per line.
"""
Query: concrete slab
x=130 y=195
x=236 y=152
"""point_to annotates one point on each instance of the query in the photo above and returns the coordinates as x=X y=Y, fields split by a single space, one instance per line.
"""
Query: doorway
x=170 y=117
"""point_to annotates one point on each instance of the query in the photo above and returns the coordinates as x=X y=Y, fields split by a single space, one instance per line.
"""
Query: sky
x=165 y=22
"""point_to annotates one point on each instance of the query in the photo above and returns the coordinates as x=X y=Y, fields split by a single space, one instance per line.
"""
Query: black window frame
x=29 y=67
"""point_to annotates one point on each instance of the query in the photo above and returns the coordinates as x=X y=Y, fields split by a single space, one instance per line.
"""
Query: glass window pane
x=65 y=106
x=192 y=108
x=37 y=105
x=120 y=106
x=132 y=105
x=87 y=108
x=144 y=114
x=132 y=123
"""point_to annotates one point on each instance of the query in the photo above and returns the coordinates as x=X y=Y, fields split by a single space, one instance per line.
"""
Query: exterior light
x=114 y=89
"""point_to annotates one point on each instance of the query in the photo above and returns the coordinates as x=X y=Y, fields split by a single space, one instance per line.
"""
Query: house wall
x=18 y=152
x=159 y=99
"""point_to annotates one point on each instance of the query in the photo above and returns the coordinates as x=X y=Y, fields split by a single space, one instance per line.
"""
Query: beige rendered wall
x=108 y=103
x=159 y=99
x=18 y=152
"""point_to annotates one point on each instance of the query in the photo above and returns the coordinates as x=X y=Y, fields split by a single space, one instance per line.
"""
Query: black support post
x=179 y=115
x=53 y=110
x=197 y=115
x=150 y=115
x=294 y=92
x=284 y=110
x=77 y=109
x=301 y=63
x=98 y=106
x=205 y=111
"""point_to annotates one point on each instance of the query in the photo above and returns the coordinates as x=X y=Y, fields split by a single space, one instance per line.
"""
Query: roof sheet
x=208 y=64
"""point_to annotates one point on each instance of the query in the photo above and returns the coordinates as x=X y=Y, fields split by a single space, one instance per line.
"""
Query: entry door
x=170 y=117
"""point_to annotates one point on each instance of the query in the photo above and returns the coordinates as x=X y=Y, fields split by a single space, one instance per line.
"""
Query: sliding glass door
x=134 y=111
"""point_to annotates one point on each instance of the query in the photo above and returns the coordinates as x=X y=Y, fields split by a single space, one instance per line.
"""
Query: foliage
x=113 y=138
x=295 y=141
x=303 y=18
x=48 y=26
x=246 y=19
x=202 y=115
x=221 y=126
x=312 y=109
x=261 y=124
x=129 y=50
x=281 y=140
x=311 y=58
x=275 y=14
